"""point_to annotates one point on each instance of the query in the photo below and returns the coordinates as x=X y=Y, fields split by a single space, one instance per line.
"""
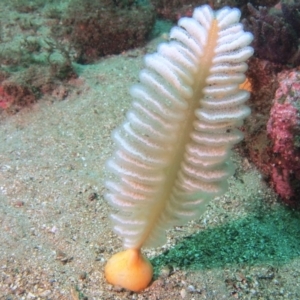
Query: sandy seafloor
x=55 y=234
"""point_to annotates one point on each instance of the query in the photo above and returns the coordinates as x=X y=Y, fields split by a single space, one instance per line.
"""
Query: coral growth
x=175 y=9
x=98 y=28
x=291 y=13
x=30 y=64
x=14 y=96
x=37 y=53
x=263 y=77
x=274 y=38
x=273 y=129
x=284 y=131
x=6 y=100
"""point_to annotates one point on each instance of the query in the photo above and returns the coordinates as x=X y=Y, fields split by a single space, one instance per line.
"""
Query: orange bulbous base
x=129 y=269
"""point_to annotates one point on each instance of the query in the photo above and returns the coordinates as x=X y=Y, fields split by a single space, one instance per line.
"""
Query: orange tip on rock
x=129 y=269
x=246 y=85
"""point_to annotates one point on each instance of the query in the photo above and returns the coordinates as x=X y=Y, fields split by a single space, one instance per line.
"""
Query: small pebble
x=92 y=196
x=82 y=275
x=191 y=289
x=165 y=272
x=18 y=203
x=45 y=293
x=183 y=293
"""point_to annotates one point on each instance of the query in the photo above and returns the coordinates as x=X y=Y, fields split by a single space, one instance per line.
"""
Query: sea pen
x=172 y=151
